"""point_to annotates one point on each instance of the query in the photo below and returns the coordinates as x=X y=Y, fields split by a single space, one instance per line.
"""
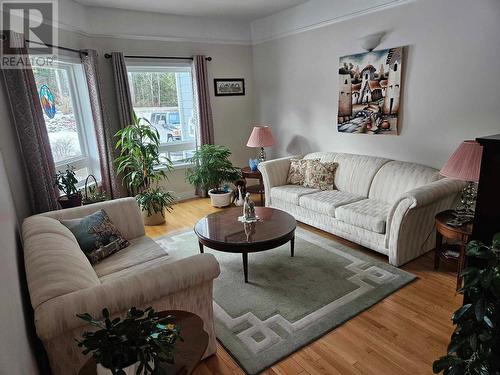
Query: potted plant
x=475 y=343
x=137 y=344
x=66 y=182
x=211 y=168
x=143 y=168
x=153 y=202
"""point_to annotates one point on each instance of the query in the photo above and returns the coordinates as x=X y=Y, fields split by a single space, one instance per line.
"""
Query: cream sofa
x=62 y=282
x=385 y=205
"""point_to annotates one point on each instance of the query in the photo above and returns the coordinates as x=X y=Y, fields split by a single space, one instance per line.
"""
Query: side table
x=460 y=235
x=246 y=172
x=187 y=353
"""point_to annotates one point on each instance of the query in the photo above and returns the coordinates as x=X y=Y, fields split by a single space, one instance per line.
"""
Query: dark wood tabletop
x=187 y=353
x=222 y=231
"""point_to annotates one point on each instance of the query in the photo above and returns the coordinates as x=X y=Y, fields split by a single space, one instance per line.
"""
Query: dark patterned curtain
x=125 y=108
x=27 y=117
x=202 y=96
x=104 y=130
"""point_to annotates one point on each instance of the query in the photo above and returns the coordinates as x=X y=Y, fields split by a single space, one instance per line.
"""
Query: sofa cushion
x=320 y=175
x=326 y=202
x=397 y=177
x=369 y=214
x=97 y=235
x=140 y=250
x=291 y=193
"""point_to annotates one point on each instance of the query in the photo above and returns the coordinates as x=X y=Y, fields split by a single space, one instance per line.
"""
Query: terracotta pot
x=220 y=199
x=74 y=200
x=155 y=219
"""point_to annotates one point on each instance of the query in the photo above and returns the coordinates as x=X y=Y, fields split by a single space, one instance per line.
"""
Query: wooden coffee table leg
x=292 y=246
x=201 y=247
x=245 y=266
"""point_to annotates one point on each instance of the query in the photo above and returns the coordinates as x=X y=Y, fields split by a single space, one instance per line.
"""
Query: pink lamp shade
x=261 y=137
x=465 y=163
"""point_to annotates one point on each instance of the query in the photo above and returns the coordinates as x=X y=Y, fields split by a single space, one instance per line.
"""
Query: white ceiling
x=247 y=10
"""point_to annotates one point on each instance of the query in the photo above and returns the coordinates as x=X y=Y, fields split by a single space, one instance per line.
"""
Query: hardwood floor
x=403 y=334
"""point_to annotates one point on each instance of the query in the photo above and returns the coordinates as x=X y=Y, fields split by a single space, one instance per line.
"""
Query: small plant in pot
x=212 y=168
x=66 y=182
x=143 y=169
x=136 y=345
x=475 y=343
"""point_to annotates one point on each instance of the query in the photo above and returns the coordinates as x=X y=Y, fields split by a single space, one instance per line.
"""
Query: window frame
x=148 y=66
x=82 y=110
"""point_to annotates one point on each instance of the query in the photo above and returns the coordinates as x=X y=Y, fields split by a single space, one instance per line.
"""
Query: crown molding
x=161 y=38
x=329 y=21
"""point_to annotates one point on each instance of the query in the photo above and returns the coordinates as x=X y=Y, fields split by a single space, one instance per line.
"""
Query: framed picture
x=229 y=86
x=370 y=88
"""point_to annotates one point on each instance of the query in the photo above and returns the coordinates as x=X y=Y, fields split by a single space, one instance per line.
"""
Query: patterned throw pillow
x=297 y=171
x=320 y=175
x=97 y=236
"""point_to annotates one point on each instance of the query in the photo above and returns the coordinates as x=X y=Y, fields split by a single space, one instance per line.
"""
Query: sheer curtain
x=27 y=117
x=104 y=129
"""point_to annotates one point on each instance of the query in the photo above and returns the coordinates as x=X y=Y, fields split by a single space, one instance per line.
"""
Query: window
x=164 y=96
x=64 y=96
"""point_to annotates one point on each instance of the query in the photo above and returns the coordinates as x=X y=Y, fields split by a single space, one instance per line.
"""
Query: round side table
x=246 y=172
x=187 y=353
x=460 y=235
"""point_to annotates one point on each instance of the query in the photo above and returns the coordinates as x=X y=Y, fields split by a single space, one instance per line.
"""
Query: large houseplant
x=143 y=168
x=211 y=168
x=136 y=345
x=66 y=181
x=475 y=344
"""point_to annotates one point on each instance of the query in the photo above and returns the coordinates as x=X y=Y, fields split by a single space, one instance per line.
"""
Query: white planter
x=154 y=219
x=221 y=199
x=130 y=370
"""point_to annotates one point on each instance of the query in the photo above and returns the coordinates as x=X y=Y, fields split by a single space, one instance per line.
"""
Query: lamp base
x=465 y=210
x=262 y=155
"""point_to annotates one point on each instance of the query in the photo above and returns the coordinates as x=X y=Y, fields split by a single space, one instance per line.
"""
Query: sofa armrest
x=124 y=213
x=435 y=191
x=58 y=315
x=274 y=173
x=411 y=221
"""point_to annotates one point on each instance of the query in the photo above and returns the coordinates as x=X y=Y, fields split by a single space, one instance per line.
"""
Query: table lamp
x=261 y=137
x=465 y=164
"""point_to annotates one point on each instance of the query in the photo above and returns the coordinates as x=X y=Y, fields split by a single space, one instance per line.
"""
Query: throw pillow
x=320 y=175
x=297 y=171
x=97 y=236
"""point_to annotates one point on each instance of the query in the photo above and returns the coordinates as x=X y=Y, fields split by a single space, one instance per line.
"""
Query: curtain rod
x=208 y=58
x=58 y=47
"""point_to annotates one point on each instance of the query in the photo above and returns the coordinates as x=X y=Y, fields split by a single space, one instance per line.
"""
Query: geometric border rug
x=289 y=302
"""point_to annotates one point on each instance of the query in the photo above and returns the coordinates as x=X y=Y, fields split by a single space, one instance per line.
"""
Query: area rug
x=289 y=302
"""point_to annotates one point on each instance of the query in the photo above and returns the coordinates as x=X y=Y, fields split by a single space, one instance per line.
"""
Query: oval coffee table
x=222 y=231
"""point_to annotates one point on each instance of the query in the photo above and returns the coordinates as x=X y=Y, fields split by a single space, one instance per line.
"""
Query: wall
x=16 y=353
x=451 y=91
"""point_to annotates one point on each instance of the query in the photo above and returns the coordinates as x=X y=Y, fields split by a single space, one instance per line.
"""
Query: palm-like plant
x=212 y=168
x=142 y=167
x=140 y=162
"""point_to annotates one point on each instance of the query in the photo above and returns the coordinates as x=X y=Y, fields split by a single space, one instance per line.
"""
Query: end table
x=187 y=353
x=460 y=235
x=246 y=172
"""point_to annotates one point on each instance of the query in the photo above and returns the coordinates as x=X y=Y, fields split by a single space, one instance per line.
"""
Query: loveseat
x=62 y=282
x=382 y=204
